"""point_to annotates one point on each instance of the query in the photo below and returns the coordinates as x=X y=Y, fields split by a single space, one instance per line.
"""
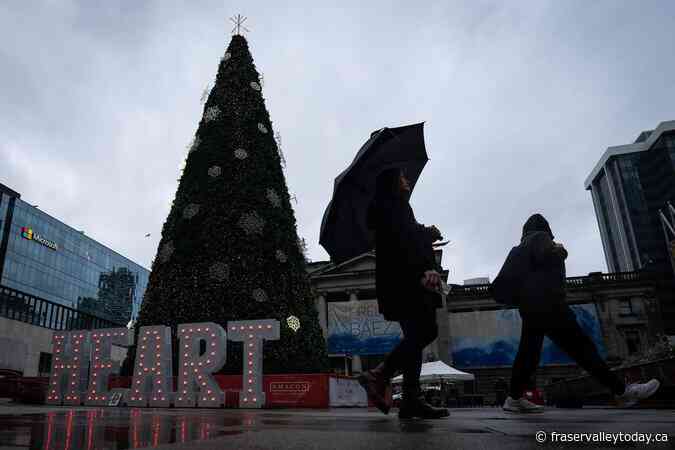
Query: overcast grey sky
x=100 y=98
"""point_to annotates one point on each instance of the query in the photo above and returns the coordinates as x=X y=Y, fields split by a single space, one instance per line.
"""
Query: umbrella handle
x=440 y=244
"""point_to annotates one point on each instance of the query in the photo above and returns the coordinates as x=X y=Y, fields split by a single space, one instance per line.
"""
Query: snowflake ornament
x=219 y=271
x=255 y=86
x=281 y=256
x=262 y=128
x=274 y=198
x=240 y=153
x=165 y=252
x=293 y=323
x=195 y=144
x=259 y=295
x=212 y=113
x=215 y=171
x=252 y=223
x=190 y=211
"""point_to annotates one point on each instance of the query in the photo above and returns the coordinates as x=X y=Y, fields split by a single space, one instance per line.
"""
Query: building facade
x=629 y=185
x=478 y=280
x=46 y=258
x=620 y=311
x=357 y=336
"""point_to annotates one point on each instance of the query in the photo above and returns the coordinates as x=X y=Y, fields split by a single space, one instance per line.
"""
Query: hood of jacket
x=536 y=223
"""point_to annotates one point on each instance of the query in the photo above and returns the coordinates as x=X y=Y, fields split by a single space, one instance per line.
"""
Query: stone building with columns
x=357 y=336
x=621 y=311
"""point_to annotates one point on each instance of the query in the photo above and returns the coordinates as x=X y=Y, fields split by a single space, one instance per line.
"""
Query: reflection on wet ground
x=125 y=428
x=79 y=428
x=114 y=429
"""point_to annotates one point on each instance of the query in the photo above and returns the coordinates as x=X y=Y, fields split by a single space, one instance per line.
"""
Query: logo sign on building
x=293 y=387
x=28 y=233
x=357 y=328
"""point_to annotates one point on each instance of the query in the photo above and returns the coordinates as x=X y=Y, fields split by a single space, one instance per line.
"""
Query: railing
x=595 y=279
x=17 y=305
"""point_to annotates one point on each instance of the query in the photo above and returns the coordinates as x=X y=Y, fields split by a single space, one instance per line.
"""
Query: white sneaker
x=522 y=405
x=636 y=392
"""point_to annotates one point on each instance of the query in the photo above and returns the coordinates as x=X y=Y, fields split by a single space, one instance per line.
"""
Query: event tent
x=439 y=371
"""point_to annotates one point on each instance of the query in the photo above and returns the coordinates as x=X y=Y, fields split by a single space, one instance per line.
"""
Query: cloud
x=520 y=101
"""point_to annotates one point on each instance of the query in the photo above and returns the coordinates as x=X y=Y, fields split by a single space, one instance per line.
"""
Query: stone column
x=443 y=352
x=605 y=308
x=322 y=311
x=356 y=359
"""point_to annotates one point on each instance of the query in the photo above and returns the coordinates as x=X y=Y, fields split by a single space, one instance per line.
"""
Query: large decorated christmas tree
x=229 y=248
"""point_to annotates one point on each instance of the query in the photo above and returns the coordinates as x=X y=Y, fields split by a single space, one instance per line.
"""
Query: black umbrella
x=344 y=230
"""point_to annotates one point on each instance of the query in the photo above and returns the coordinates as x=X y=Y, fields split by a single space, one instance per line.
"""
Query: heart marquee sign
x=82 y=364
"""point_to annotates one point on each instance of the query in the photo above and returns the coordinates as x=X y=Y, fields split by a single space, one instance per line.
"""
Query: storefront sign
x=82 y=365
x=28 y=233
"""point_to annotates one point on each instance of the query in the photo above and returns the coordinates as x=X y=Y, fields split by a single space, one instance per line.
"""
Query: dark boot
x=414 y=406
x=378 y=388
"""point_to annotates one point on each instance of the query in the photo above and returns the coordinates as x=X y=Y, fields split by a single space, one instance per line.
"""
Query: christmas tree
x=229 y=248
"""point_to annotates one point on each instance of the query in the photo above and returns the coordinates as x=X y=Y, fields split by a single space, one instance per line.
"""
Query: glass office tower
x=629 y=185
x=46 y=258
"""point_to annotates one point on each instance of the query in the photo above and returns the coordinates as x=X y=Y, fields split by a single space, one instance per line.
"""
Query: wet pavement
x=56 y=428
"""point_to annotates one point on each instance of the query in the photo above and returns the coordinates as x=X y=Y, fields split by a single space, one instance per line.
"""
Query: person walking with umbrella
x=370 y=207
x=407 y=283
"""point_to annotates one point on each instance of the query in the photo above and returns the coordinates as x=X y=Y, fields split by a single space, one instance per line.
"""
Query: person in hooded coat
x=407 y=284
x=545 y=312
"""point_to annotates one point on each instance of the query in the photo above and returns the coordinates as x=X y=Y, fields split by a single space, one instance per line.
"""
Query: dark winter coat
x=545 y=284
x=403 y=253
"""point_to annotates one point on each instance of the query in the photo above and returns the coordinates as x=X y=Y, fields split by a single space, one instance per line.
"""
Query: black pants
x=419 y=330
x=560 y=325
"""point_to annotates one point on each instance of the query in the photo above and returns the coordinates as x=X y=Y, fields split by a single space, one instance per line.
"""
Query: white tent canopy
x=437 y=371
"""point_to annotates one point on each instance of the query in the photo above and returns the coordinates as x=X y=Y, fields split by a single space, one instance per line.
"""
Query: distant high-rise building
x=629 y=185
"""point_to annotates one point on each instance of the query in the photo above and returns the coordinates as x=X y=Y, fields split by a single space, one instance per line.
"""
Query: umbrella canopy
x=437 y=371
x=344 y=230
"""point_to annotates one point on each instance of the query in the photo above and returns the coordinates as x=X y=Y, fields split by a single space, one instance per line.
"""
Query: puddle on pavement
x=114 y=430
